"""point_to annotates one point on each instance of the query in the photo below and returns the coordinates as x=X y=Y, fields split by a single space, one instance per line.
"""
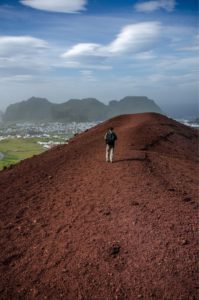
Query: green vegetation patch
x=17 y=149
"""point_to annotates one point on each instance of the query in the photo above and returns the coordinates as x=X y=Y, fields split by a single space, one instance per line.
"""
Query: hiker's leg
x=111 y=153
x=107 y=152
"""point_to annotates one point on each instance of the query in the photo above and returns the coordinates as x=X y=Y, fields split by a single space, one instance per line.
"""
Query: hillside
x=76 y=227
x=88 y=109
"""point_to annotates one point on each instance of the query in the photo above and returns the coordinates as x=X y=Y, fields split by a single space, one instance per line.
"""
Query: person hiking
x=110 y=138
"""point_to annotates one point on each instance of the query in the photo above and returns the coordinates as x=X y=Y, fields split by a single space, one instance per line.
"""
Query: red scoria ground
x=76 y=227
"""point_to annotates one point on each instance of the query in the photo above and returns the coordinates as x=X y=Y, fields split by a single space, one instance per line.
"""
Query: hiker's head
x=111 y=128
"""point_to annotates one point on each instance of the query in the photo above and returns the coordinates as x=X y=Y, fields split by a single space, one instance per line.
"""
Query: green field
x=17 y=149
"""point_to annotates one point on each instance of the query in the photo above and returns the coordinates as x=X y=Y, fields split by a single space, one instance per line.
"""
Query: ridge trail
x=76 y=227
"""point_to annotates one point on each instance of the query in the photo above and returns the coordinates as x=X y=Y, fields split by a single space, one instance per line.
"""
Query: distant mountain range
x=88 y=109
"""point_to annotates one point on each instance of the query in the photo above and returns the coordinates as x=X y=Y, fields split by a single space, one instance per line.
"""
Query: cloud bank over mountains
x=104 y=49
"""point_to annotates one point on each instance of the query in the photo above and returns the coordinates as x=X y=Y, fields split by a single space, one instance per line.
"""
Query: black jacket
x=110 y=138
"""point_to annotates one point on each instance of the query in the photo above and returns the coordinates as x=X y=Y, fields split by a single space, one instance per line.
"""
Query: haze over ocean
x=105 y=49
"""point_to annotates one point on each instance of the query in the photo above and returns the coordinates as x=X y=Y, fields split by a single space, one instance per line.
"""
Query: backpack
x=110 y=138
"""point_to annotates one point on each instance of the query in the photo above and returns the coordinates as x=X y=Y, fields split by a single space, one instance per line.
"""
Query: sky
x=107 y=49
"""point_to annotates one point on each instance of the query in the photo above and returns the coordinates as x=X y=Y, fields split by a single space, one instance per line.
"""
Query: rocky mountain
x=88 y=109
x=34 y=109
x=132 y=104
x=75 y=227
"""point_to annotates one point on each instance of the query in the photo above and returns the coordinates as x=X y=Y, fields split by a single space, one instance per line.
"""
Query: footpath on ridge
x=76 y=227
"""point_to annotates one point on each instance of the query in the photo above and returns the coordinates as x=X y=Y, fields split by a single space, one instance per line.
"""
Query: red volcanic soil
x=76 y=227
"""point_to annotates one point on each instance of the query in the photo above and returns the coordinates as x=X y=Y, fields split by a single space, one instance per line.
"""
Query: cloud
x=190 y=48
x=16 y=78
x=148 y=55
x=82 y=49
x=197 y=37
x=193 y=46
x=87 y=75
x=23 y=55
x=180 y=81
x=178 y=64
x=18 y=45
x=61 y=6
x=150 y=6
x=133 y=39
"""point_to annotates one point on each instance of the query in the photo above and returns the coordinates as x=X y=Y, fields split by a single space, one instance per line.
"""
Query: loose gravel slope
x=76 y=227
